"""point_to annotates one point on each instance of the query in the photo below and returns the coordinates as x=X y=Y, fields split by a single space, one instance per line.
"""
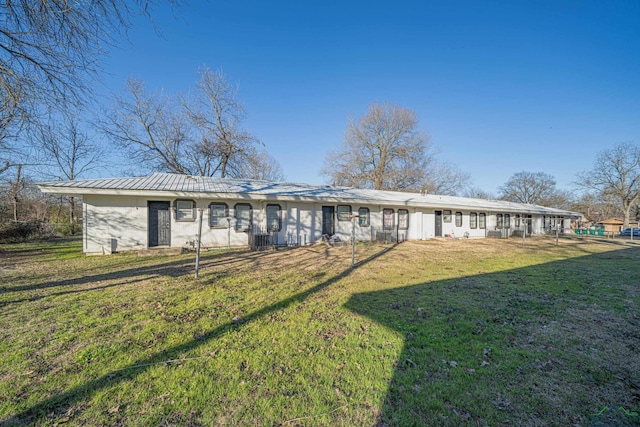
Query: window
x=363 y=217
x=499 y=221
x=458 y=219
x=218 y=214
x=507 y=221
x=473 y=220
x=482 y=221
x=446 y=216
x=344 y=213
x=517 y=220
x=387 y=219
x=243 y=216
x=403 y=219
x=185 y=210
x=274 y=219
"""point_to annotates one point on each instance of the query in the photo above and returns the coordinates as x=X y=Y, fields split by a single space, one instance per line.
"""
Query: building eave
x=478 y=205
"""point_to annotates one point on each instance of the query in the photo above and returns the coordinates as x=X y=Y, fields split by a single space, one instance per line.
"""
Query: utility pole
x=199 y=240
x=354 y=218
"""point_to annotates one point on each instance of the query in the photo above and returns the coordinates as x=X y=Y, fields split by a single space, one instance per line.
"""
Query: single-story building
x=164 y=210
x=614 y=225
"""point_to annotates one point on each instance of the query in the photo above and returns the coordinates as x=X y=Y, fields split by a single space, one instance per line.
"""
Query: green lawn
x=460 y=332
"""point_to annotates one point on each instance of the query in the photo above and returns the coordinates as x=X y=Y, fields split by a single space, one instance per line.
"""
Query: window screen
x=458 y=219
x=185 y=210
x=218 y=213
x=243 y=216
x=403 y=219
x=387 y=219
x=274 y=220
x=344 y=213
x=363 y=217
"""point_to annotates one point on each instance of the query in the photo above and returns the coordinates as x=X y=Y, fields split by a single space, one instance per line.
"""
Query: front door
x=159 y=224
x=328 y=226
x=438 y=230
x=528 y=224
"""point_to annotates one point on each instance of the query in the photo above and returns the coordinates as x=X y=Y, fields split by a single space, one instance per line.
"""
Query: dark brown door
x=328 y=226
x=528 y=224
x=159 y=224
x=438 y=230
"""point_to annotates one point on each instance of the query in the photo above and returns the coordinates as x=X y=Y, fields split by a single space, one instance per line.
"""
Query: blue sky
x=500 y=86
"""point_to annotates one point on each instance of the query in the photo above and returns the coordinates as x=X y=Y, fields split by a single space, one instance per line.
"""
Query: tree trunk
x=72 y=214
x=626 y=208
x=16 y=193
x=379 y=171
x=15 y=206
x=225 y=162
x=223 y=168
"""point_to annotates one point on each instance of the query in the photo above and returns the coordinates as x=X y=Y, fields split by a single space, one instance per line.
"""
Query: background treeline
x=53 y=126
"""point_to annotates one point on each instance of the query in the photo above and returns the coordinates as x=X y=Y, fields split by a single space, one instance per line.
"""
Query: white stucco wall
x=309 y=223
x=118 y=223
x=114 y=223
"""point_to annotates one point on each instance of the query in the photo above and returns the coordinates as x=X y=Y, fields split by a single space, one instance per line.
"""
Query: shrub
x=21 y=231
x=68 y=229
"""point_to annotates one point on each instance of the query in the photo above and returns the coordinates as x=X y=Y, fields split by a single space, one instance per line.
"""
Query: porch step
x=160 y=251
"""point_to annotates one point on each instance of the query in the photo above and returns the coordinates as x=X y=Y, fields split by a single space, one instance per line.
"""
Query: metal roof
x=200 y=186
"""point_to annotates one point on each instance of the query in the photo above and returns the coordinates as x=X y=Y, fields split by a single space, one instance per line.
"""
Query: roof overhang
x=489 y=206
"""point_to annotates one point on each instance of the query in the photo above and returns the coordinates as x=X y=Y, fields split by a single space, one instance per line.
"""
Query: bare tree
x=10 y=126
x=5 y=156
x=151 y=131
x=476 y=193
x=383 y=150
x=561 y=199
x=260 y=165
x=8 y=112
x=67 y=154
x=196 y=135
x=529 y=187
x=16 y=187
x=50 y=50
x=4 y=165
x=66 y=150
x=596 y=207
x=24 y=201
x=444 y=179
x=616 y=174
x=217 y=114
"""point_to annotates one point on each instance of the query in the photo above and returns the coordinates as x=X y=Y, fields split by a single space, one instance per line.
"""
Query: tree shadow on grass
x=169 y=268
x=580 y=244
x=60 y=403
x=547 y=344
